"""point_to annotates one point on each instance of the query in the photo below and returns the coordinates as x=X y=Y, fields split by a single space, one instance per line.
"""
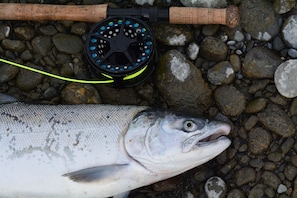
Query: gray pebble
x=281 y=188
x=235 y=193
x=285 y=78
x=221 y=73
x=193 y=50
x=27 y=80
x=289 y=31
x=7 y=72
x=255 y=105
x=42 y=45
x=292 y=52
x=257 y=191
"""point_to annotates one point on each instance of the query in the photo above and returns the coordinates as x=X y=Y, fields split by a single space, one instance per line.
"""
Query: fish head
x=169 y=143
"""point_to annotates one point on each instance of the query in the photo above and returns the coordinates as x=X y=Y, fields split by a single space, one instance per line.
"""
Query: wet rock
x=293 y=107
x=172 y=35
x=24 y=33
x=235 y=193
x=259 y=140
x=27 y=80
x=257 y=191
x=13 y=45
x=259 y=19
x=258 y=86
x=229 y=100
x=4 y=31
x=181 y=83
x=276 y=120
x=244 y=176
x=7 y=72
x=256 y=105
x=42 y=45
x=251 y=122
x=50 y=93
x=215 y=187
x=270 y=179
x=69 y=44
x=283 y=6
x=26 y=55
x=210 y=30
x=275 y=156
x=292 y=53
x=75 y=93
x=205 y=3
x=278 y=44
x=213 y=49
x=285 y=78
x=289 y=30
x=260 y=62
x=221 y=73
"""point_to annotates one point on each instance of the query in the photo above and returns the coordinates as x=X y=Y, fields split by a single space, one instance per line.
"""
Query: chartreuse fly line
x=57 y=76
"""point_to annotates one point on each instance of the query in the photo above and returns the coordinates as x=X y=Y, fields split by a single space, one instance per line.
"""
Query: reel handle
x=95 y=13
x=189 y=15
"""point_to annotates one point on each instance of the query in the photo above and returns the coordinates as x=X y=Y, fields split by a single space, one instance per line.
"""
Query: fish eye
x=189 y=126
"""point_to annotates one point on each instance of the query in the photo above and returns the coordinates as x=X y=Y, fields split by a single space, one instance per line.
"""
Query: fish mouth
x=204 y=139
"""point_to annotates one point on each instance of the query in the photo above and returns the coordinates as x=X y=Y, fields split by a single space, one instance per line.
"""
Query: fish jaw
x=168 y=149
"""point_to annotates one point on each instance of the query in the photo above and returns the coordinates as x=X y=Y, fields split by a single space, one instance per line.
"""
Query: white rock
x=179 y=68
x=282 y=188
x=192 y=51
x=285 y=78
x=289 y=31
x=215 y=187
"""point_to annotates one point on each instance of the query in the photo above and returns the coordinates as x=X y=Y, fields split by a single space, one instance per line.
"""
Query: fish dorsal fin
x=97 y=173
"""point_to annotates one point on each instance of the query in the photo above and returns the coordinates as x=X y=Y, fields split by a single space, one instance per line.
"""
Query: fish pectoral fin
x=95 y=173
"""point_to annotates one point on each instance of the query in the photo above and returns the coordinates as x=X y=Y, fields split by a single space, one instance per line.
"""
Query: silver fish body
x=98 y=150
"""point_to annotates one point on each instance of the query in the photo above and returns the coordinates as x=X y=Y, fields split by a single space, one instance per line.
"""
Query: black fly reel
x=121 y=49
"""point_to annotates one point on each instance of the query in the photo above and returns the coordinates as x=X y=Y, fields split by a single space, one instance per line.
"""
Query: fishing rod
x=121 y=46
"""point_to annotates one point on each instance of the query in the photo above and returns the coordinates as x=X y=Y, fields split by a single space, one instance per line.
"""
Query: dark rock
x=181 y=83
x=221 y=73
x=24 y=33
x=213 y=49
x=244 y=176
x=42 y=45
x=259 y=140
x=69 y=44
x=270 y=179
x=13 y=45
x=276 y=120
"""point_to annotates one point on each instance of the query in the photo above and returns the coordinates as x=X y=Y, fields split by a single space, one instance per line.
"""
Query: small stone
x=290 y=172
x=7 y=72
x=293 y=107
x=282 y=188
x=257 y=191
x=79 y=28
x=221 y=73
x=289 y=31
x=278 y=44
x=24 y=33
x=48 y=30
x=238 y=36
x=229 y=100
x=259 y=19
x=42 y=45
x=275 y=156
x=13 y=45
x=235 y=193
x=69 y=44
x=4 y=31
x=285 y=78
x=193 y=50
x=244 y=176
x=260 y=62
x=80 y=94
x=276 y=120
x=27 y=80
x=213 y=49
x=283 y=6
x=251 y=122
x=215 y=187
x=172 y=35
x=256 y=105
x=292 y=52
x=259 y=140
x=235 y=62
x=271 y=179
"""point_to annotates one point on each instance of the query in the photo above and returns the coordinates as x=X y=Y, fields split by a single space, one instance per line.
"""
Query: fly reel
x=121 y=49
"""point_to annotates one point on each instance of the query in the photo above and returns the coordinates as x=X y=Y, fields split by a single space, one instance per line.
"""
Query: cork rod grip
x=87 y=13
x=186 y=15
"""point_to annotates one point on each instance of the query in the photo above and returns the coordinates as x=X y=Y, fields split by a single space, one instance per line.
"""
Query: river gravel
x=210 y=70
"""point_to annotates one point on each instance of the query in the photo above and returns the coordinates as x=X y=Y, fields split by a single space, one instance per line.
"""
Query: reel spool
x=121 y=49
